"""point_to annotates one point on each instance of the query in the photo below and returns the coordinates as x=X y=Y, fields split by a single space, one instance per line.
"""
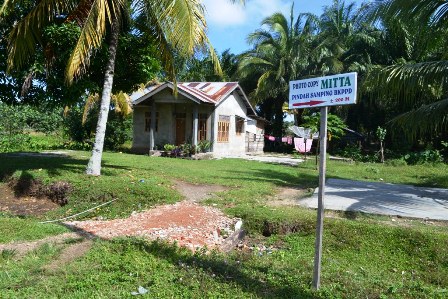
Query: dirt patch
x=22 y=248
x=24 y=205
x=198 y=192
x=25 y=185
x=187 y=223
x=69 y=254
x=286 y=196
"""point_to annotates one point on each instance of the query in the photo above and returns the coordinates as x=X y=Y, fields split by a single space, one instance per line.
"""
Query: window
x=148 y=121
x=223 y=128
x=239 y=125
x=202 y=128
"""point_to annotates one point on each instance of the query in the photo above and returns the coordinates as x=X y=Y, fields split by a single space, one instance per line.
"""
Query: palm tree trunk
x=94 y=166
x=278 y=122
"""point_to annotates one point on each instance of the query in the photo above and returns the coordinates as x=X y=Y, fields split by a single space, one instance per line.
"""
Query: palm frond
x=426 y=120
x=27 y=33
x=95 y=20
x=434 y=10
x=178 y=26
x=91 y=101
x=406 y=81
x=122 y=103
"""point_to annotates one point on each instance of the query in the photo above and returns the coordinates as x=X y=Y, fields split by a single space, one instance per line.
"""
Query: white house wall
x=167 y=107
x=231 y=106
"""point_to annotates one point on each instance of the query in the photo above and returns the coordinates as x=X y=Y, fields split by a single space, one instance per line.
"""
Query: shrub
x=427 y=156
x=12 y=128
x=396 y=162
x=204 y=146
x=118 y=130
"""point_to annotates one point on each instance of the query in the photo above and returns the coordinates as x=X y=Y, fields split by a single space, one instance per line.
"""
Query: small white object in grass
x=141 y=291
x=238 y=225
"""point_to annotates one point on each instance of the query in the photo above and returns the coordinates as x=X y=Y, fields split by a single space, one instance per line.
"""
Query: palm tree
x=175 y=25
x=279 y=55
x=421 y=86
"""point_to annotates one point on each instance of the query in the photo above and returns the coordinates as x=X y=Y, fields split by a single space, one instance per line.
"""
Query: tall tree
x=279 y=55
x=174 y=24
x=420 y=83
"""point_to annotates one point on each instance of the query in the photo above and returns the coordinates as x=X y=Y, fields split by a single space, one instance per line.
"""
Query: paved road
x=383 y=198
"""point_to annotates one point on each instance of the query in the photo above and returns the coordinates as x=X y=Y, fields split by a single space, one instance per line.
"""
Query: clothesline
x=300 y=144
x=287 y=139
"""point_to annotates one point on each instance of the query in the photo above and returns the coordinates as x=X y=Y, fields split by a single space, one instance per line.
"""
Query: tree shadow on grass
x=278 y=178
x=52 y=164
x=224 y=269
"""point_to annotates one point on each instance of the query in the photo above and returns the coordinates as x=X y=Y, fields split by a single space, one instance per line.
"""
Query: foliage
x=199 y=68
x=81 y=133
x=416 y=81
x=119 y=130
x=335 y=125
x=204 y=146
x=169 y=147
x=381 y=134
x=12 y=128
x=280 y=52
x=426 y=156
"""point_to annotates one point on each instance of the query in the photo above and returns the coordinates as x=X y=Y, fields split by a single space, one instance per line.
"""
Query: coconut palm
x=420 y=85
x=279 y=55
x=175 y=25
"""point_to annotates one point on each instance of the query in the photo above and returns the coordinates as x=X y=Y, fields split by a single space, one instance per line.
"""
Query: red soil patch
x=187 y=223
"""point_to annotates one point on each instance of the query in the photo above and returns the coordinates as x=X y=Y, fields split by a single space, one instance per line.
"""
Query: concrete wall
x=255 y=136
x=167 y=106
x=231 y=106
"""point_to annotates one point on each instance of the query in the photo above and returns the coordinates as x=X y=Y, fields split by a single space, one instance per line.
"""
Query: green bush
x=427 y=156
x=118 y=130
x=12 y=128
x=396 y=162
x=82 y=136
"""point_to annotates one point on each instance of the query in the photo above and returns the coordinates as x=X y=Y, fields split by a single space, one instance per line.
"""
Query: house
x=219 y=112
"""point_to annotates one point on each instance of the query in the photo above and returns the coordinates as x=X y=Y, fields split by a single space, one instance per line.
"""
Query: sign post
x=320 y=198
x=322 y=92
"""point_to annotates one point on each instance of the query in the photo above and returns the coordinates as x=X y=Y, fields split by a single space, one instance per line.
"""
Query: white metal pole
x=321 y=197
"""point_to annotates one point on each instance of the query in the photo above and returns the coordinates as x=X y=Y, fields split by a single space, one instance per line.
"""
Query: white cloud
x=224 y=14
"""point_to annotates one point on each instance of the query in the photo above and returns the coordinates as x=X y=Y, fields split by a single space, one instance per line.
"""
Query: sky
x=230 y=24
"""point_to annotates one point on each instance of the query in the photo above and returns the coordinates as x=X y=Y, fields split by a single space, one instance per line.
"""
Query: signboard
x=323 y=91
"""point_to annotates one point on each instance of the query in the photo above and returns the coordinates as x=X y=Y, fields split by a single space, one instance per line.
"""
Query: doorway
x=180 y=128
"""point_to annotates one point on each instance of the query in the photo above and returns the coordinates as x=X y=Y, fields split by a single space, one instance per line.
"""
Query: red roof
x=206 y=92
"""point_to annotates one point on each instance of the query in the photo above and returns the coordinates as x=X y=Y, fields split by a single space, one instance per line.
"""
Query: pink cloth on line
x=284 y=139
x=271 y=138
x=299 y=144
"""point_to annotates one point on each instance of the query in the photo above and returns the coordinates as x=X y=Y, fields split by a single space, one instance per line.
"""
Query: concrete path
x=284 y=160
x=383 y=198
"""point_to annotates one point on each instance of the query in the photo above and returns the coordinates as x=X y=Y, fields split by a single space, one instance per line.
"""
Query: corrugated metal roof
x=212 y=92
x=207 y=92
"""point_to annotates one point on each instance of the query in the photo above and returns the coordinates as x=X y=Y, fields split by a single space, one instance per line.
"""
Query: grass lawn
x=364 y=256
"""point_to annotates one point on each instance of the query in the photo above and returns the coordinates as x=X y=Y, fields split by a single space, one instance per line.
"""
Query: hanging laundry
x=301 y=146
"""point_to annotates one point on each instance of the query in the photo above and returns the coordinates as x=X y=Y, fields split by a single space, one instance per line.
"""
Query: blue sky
x=230 y=24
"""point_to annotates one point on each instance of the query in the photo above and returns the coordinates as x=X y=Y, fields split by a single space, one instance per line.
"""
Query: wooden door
x=180 y=128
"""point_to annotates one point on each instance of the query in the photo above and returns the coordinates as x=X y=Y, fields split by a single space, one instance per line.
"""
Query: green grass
x=17 y=229
x=364 y=256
